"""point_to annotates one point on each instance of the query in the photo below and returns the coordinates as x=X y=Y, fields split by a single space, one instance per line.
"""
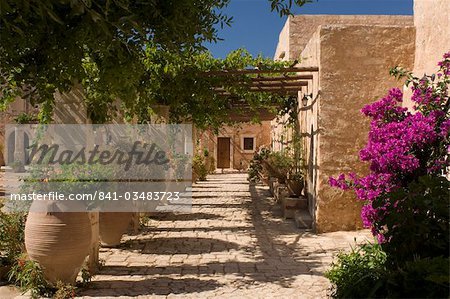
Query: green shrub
x=12 y=236
x=199 y=167
x=64 y=291
x=420 y=278
x=366 y=273
x=359 y=273
x=253 y=171
x=417 y=238
x=255 y=168
x=212 y=164
x=179 y=163
x=28 y=275
x=417 y=224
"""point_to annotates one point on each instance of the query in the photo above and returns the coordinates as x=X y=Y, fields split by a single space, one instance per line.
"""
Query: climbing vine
x=143 y=53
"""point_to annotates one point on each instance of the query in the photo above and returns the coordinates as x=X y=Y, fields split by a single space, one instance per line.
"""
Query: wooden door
x=223 y=152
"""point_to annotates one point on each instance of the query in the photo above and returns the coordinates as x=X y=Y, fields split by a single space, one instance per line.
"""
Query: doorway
x=223 y=152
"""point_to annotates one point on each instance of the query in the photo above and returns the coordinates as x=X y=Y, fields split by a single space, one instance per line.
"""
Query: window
x=249 y=144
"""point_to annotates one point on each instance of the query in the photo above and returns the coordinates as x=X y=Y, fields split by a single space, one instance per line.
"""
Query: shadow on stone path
x=233 y=244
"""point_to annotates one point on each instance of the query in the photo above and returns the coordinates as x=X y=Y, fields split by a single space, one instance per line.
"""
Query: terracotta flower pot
x=112 y=226
x=59 y=241
x=295 y=187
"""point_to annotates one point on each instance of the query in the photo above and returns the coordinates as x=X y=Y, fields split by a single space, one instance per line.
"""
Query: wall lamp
x=305 y=99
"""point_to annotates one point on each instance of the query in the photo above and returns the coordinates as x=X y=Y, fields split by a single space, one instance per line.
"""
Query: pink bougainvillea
x=403 y=145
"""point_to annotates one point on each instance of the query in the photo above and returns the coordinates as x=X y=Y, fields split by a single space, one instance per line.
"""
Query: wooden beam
x=283 y=78
x=248 y=114
x=271 y=86
x=258 y=71
x=279 y=84
x=285 y=91
x=266 y=88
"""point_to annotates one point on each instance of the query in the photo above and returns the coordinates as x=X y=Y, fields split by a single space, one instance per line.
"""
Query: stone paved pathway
x=234 y=244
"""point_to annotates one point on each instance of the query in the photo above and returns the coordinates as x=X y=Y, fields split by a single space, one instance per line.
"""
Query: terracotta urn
x=295 y=187
x=112 y=226
x=59 y=241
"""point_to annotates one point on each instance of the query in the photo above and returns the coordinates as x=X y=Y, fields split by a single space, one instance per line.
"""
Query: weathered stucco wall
x=354 y=71
x=432 y=21
x=282 y=50
x=308 y=119
x=300 y=28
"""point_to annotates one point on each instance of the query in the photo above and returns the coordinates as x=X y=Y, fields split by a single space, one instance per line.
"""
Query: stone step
x=303 y=219
x=295 y=202
x=291 y=204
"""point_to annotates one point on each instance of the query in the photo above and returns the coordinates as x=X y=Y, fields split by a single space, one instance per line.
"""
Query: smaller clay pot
x=112 y=226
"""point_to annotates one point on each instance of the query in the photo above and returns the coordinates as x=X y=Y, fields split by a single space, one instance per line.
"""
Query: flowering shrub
x=402 y=145
x=406 y=194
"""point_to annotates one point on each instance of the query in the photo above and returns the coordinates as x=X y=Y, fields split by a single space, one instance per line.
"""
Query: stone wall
x=354 y=64
x=354 y=55
x=298 y=29
x=308 y=119
x=282 y=50
x=432 y=22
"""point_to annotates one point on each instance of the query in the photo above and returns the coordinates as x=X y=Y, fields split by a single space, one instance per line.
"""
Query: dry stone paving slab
x=234 y=244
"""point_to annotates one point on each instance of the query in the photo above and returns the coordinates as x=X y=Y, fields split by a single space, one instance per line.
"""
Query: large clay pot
x=295 y=187
x=59 y=241
x=112 y=226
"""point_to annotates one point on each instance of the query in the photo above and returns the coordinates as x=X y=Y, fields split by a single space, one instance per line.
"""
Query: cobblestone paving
x=234 y=244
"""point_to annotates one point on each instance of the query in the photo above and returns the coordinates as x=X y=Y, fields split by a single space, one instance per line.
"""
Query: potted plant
x=296 y=179
x=278 y=165
x=295 y=183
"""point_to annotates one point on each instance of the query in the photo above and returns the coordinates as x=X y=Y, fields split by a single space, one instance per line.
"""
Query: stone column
x=19 y=153
x=93 y=261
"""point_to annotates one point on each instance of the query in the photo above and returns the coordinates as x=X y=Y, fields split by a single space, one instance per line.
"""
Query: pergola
x=287 y=81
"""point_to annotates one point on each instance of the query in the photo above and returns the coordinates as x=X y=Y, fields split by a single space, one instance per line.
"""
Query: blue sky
x=256 y=28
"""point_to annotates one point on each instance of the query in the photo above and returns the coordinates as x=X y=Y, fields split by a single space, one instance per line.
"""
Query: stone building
x=353 y=55
x=233 y=146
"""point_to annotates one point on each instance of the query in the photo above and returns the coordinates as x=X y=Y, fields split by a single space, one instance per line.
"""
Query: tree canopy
x=142 y=52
